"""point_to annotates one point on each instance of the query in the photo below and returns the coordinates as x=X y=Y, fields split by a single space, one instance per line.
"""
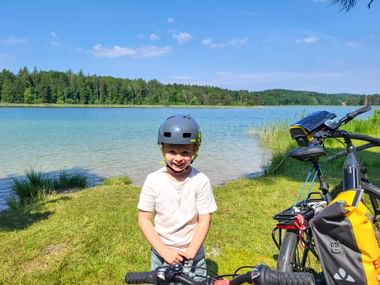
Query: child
x=181 y=198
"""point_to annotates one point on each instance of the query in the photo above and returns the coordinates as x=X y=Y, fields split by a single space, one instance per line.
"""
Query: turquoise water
x=103 y=142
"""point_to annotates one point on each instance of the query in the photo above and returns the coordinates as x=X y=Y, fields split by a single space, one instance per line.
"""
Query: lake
x=104 y=142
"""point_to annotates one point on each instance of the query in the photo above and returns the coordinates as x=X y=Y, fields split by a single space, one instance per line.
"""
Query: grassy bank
x=91 y=236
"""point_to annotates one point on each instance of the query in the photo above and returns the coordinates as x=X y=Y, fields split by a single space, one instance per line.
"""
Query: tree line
x=56 y=87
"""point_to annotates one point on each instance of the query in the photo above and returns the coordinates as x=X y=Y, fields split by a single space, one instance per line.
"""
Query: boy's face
x=178 y=156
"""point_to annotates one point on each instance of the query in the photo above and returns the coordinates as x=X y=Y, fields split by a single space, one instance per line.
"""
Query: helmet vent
x=186 y=135
x=167 y=134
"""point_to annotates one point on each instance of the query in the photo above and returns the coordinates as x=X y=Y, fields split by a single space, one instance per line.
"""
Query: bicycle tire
x=286 y=257
x=293 y=257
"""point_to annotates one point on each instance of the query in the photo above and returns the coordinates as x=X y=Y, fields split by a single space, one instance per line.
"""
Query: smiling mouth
x=180 y=166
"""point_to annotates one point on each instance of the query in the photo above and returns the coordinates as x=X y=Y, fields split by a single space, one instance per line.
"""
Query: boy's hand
x=172 y=255
x=187 y=255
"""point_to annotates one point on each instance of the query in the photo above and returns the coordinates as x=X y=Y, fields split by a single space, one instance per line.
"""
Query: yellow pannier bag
x=347 y=242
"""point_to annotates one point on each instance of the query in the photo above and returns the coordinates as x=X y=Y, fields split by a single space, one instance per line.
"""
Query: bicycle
x=297 y=248
x=258 y=275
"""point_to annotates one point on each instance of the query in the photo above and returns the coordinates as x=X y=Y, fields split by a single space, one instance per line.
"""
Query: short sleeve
x=147 y=198
x=205 y=198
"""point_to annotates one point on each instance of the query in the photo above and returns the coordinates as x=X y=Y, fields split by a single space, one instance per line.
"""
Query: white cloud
x=153 y=51
x=140 y=52
x=210 y=43
x=153 y=37
x=170 y=20
x=235 y=42
x=307 y=40
x=12 y=40
x=182 y=37
x=115 y=51
x=54 y=41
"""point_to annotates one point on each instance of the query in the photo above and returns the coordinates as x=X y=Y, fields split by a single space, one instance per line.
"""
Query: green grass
x=91 y=236
x=117 y=181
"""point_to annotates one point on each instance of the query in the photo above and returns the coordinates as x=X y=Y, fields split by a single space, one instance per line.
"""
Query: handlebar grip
x=271 y=277
x=359 y=111
x=141 y=277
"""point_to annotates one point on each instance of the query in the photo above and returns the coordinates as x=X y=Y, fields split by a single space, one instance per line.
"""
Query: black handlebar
x=352 y=115
x=260 y=275
x=359 y=111
x=332 y=131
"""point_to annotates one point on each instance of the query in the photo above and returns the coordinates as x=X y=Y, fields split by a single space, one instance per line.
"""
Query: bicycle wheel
x=286 y=257
x=294 y=256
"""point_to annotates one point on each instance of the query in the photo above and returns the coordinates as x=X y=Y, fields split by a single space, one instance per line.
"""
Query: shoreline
x=22 y=105
x=15 y=105
x=6 y=192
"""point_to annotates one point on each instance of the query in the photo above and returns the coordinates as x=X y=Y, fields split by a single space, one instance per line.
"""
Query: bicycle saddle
x=307 y=153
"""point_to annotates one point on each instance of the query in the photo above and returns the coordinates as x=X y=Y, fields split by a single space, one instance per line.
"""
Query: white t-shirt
x=176 y=205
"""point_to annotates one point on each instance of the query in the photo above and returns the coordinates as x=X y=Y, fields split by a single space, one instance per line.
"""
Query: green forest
x=56 y=87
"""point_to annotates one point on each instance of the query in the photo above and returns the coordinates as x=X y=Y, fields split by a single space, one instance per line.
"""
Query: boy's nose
x=178 y=157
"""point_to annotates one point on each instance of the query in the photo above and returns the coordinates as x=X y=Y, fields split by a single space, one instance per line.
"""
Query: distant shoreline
x=14 y=105
x=22 y=105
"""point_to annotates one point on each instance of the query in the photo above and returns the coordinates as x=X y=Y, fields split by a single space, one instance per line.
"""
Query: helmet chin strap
x=176 y=171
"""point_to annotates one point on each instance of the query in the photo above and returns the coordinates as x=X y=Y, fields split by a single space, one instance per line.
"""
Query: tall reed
x=35 y=186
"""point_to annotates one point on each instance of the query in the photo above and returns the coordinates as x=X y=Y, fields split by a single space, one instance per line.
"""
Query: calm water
x=104 y=142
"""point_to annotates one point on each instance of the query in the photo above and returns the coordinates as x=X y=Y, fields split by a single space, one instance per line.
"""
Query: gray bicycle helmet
x=180 y=129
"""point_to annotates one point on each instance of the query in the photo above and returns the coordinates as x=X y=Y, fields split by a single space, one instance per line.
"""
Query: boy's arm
x=200 y=234
x=170 y=255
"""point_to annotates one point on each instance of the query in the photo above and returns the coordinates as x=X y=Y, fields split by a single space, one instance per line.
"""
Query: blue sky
x=240 y=44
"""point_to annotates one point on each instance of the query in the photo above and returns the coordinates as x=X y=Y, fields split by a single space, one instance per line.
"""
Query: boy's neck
x=178 y=177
